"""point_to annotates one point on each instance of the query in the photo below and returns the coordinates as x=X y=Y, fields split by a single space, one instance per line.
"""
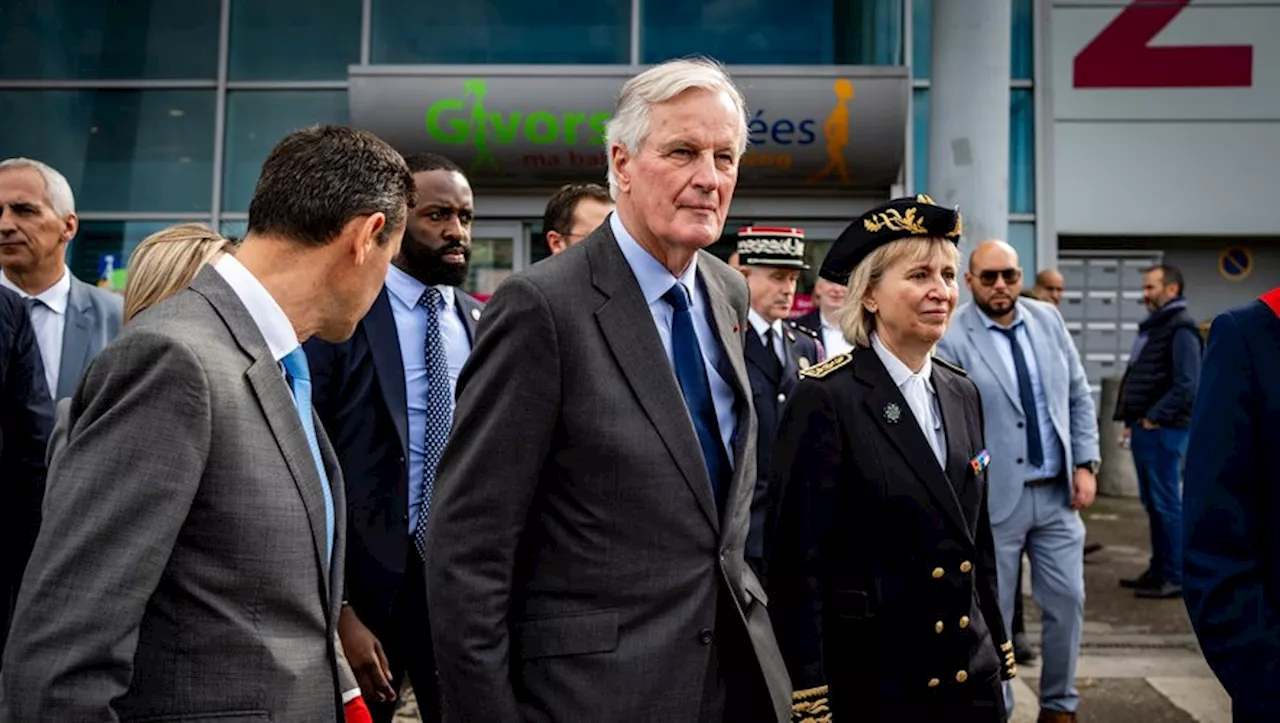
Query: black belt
x=1044 y=481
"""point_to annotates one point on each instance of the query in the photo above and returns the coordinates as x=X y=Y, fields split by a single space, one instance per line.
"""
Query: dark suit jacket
x=1231 y=509
x=771 y=384
x=575 y=553
x=360 y=397
x=93 y=320
x=180 y=570
x=26 y=420
x=811 y=320
x=882 y=573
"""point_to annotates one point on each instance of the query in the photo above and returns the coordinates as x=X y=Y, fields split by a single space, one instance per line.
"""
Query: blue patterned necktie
x=439 y=411
x=296 y=367
x=1035 y=451
x=692 y=375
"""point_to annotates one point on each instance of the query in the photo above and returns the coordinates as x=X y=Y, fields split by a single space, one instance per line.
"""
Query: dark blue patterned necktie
x=1035 y=452
x=692 y=375
x=439 y=411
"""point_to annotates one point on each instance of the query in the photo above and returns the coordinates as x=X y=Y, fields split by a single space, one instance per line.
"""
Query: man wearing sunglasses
x=1042 y=434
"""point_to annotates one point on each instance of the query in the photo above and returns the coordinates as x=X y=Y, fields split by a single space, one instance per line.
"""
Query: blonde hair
x=166 y=262
x=854 y=320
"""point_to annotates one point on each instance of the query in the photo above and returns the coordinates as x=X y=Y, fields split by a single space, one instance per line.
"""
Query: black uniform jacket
x=771 y=385
x=882 y=574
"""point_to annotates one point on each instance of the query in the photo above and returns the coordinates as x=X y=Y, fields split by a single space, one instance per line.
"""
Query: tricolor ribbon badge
x=980 y=462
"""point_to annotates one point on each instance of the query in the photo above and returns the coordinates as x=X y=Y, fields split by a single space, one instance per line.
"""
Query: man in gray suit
x=1042 y=436
x=185 y=567
x=586 y=531
x=72 y=320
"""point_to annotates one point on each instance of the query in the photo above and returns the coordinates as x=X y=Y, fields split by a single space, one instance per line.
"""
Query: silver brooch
x=892 y=413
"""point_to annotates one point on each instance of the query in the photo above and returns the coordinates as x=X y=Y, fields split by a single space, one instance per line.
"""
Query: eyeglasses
x=1010 y=276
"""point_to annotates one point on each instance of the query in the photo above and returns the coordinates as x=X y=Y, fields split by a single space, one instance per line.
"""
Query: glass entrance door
x=497 y=251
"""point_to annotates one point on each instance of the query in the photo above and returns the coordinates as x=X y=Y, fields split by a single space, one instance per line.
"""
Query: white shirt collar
x=828 y=324
x=272 y=322
x=409 y=290
x=760 y=325
x=55 y=297
x=899 y=372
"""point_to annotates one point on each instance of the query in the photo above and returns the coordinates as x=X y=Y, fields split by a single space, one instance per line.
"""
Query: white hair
x=56 y=187
x=629 y=126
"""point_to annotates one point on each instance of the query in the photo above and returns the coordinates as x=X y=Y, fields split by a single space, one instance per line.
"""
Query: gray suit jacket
x=93 y=320
x=179 y=571
x=575 y=557
x=969 y=343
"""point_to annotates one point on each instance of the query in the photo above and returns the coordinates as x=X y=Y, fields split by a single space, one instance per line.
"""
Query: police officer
x=882 y=575
x=776 y=349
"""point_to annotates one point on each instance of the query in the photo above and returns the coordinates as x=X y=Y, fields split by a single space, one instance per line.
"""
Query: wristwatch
x=1092 y=465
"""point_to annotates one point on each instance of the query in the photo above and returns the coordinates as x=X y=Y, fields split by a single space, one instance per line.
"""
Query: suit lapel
x=75 y=340
x=731 y=331
x=761 y=358
x=640 y=354
x=469 y=310
x=959 y=448
x=905 y=433
x=267 y=380
x=384 y=346
x=791 y=373
x=981 y=339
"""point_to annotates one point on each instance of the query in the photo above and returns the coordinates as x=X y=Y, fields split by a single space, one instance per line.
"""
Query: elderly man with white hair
x=73 y=320
x=586 y=532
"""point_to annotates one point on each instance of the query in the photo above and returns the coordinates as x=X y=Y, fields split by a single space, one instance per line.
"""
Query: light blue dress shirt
x=411 y=328
x=655 y=279
x=1053 y=455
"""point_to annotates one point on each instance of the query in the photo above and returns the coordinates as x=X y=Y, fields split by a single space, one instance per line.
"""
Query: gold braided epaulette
x=810 y=706
x=950 y=365
x=821 y=370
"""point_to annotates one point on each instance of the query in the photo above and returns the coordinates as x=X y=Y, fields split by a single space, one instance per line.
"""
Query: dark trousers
x=1018 y=624
x=406 y=640
x=1157 y=456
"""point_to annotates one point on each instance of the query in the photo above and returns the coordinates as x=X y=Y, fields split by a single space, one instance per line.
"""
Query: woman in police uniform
x=882 y=579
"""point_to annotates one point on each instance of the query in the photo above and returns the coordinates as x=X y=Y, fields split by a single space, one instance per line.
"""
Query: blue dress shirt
x=411 y=328
x=654 y=280
x=1053 y=454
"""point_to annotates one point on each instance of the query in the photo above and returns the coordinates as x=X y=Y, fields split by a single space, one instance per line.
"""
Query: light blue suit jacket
x=93 y=320
x=969 y=344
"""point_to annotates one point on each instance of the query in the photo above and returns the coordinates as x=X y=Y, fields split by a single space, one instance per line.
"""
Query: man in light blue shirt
x=585 y=544
x=1042 y=434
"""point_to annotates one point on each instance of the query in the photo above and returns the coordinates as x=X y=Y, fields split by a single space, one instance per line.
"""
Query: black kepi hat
x=907 y=217
x=771 y=246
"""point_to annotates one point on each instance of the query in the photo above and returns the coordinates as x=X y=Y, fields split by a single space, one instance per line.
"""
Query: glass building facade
x=160 y=112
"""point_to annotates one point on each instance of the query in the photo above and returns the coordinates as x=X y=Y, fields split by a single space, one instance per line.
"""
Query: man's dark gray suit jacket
x=179 y=572
x=574 y=552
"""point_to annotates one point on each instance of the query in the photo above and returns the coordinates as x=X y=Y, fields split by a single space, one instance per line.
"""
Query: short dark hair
x=423 y=162
x=1171 y=275
x=316 y=180
x=559 y=213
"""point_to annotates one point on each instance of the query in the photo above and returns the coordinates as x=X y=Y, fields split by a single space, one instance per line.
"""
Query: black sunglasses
x=1010 y=276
